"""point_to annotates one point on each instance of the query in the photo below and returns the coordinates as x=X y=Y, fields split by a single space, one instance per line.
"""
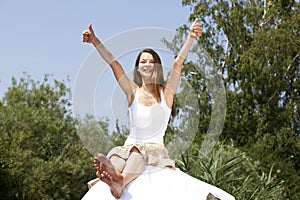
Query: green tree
x=234 y=171
x=41 y=155
x=95 y=134
x=255 y=47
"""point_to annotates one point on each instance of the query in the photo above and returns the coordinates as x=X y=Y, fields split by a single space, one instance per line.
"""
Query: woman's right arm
x=124 y=81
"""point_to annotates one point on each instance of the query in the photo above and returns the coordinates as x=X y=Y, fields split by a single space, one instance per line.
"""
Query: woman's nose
x=147 y=64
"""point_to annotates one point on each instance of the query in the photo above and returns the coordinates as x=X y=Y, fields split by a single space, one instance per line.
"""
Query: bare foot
x=115 y=187
x=105 y=165
x=109 y=175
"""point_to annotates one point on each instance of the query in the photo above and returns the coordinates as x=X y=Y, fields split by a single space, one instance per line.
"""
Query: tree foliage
x=41 y=155
x=255 y=48
x=234 y=171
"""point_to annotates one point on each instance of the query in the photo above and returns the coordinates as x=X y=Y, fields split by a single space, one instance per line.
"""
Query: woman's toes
x=98 y=174
x=107 y=175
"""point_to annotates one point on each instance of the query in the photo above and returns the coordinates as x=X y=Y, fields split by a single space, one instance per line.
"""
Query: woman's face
x=146 y=65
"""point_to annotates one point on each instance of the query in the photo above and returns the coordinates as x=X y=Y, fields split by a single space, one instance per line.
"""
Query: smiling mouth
x=147 y=70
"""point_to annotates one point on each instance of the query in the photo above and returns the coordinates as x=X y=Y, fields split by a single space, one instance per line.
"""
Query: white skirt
x=161 y=183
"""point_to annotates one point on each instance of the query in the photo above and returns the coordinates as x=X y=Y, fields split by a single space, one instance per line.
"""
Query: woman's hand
x=195 y=29
x=88 y=36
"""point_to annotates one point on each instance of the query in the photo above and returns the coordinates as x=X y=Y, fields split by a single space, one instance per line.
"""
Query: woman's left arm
x=174 y=77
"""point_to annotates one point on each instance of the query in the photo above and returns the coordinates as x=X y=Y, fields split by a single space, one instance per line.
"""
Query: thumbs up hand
x=88 y=35
x=195 y=29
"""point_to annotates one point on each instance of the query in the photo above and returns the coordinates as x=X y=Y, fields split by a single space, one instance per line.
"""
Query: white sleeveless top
x=148 y=123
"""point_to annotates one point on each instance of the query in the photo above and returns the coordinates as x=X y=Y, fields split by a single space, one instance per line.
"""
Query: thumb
x=91 y=28
x=196 y=21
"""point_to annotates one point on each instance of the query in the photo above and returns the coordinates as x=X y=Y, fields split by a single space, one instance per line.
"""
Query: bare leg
x=117 y=162
x=133 y=168
x=112 y=177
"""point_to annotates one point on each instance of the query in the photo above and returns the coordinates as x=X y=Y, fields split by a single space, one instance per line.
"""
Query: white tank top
x=148 y=123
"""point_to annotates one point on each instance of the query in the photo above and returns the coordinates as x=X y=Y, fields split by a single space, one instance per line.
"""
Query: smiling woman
x=146 y=65
x=148 y=75
x=150 y=101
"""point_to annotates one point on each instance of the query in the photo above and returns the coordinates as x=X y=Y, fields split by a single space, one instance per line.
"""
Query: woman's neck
x=150 y=87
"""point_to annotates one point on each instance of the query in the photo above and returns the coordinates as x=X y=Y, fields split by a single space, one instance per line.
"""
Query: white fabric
x=160 y=184
x=148 y=123
x=155 y=183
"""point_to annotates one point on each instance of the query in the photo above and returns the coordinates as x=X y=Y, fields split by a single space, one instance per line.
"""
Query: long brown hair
x=158 y=75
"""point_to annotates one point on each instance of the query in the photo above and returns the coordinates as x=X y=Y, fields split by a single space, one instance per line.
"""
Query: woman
x=150 y=101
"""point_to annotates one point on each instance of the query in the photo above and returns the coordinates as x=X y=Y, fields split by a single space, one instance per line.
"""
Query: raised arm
x=174 y=77
x=124 y=81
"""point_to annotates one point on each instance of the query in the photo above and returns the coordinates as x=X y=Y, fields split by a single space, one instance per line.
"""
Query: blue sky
x=44 y=37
